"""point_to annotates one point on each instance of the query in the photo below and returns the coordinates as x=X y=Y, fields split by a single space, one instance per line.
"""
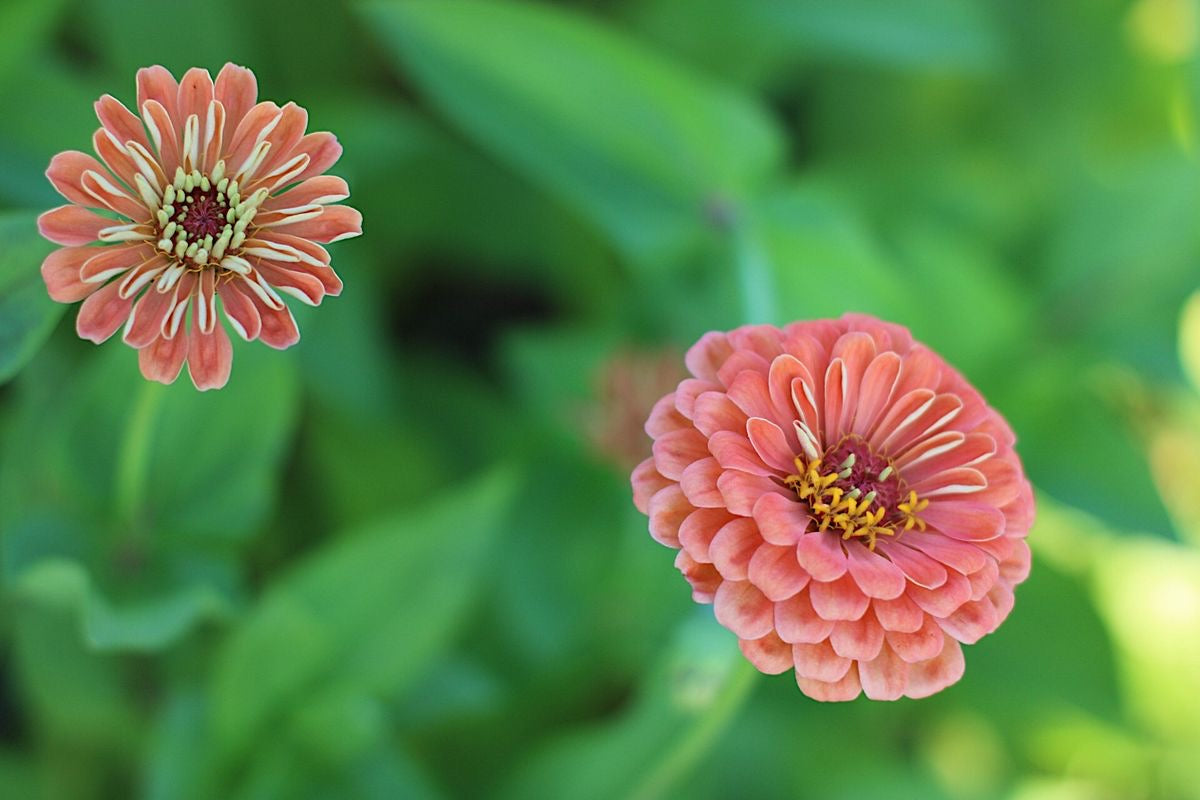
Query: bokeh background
x=400 y=560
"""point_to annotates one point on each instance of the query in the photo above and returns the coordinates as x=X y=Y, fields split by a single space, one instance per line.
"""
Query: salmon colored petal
x=771 y=445
x=72 y=225
x=706 y=356
x=147 y=317
x=797 y=622
x=102 y=314
x=819 y=662
x=781 y=519
x=704 y=578
x=873 y=573
x=775 y=571
x=946 y=599
x=296 y=283
x=646 y=478
x=927 y=677
x=839 y=599
x=686 y=395
x=60 y=271
x=158 y=85
x=194 y=95
x=965 y=521
x=677 y=450
x=733 y=451
x=846 y=688
x=109 y=262
x=742 y=490
x=163 y=359
x=875 y=393
x=716 y=412
x=859 y=639
x=971 y=621
x=323 y=151
x=743 y=609
x=278 y=327
x=210 y=356
x=122 y=123
x=321 y=190
x=733 y=546
x=286 y=135
x=236 y=89
x=821 y=553
x=334 y=224
x=916 y=566
x=920 y=645
x=664 y=418
x=698 y=529
x=770 y=654
x=699 y=483
x=668 y=509
x=884 y=677
x=164 y=135
x=964 y=557
x=901 y=614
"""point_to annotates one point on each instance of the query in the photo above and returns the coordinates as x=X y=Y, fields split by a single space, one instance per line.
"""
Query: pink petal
x=733 y=451
x=284 y=138
x=298 y=283
x=940 y=413
x=858 y=639
x=116 y=156
x=784 y=370
x=1004 y=482
x=323 y=189
x=698 y=529
x=72 y=225
x=901 y=615
x=195 y=93
x=781 y=520
x=839 y=599
x=241 y=140
x=797 y=622
x=237 y=90
x=769 y=654
x=210 y=356
x=743 y=609
x=984 y=579
x=856 y=351
x=885 y=677
x=971 y=621
x=918 y=567
x=962 y=556
x=901 y=413
x=102 y=313
x=699 y=483
x=716 y=412
x=158 y=85
x=60 y=271
x=676 y=451
x=819 y=662
x=668 y=508
x=842 y=690
x=278 y=326
x=943 y=601
x=122 y=123
x=687 y=393
x=821 y=553
x=775 y=571
x=952 y=484
x=875 y=393
x=873 y=573
x=704 y=578
x=965 y=521
x=110 y=261
x=742 y=490
x=920 y=645
x=733 y=546
x=944 y=451
x=664 y=418
x=159 y=118
x=808 y=407
x=334 y=224
x=162 y=360
x=147 y=317
x=646 y=479
x=323 y=151
x=928 y=677
x=920 y=369
x=749 y=392
x=837 y=385
x=706 y=356
x=771 y=445
x=66 y=171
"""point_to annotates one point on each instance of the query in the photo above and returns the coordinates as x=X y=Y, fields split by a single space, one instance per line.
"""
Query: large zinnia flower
x=846 y=500
x=214 y=196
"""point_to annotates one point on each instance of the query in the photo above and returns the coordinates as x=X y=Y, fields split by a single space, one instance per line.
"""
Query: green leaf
x=27 y=314
x=632 y=140
x=367 y=613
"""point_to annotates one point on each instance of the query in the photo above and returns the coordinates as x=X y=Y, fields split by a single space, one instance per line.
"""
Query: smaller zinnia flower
x=211 y=203
x=847 y=501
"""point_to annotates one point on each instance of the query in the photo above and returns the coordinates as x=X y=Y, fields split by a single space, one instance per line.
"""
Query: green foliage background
x=400 y=560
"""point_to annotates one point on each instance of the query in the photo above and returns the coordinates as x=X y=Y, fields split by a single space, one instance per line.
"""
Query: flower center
x=203 y=220
x=863 y=496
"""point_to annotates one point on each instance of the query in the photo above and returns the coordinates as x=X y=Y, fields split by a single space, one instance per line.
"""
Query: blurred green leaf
x=368 y=612
x=27 y=314
x=631 y=139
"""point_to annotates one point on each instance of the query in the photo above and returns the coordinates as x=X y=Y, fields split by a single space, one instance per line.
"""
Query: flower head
x=208 y=200
x=847 y=501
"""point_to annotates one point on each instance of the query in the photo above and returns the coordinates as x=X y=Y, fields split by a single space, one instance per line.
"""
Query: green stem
x=133 y=459
x=754 y=276
x=697 y=740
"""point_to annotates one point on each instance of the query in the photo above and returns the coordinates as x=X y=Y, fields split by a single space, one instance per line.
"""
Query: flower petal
x=918 y=567
x=821 y=553
x=965 y=521
x=743 y=609
x=697 y=530
x=873 y=573
x=237 y=90
x=842 y=690
x=860 y=639
x=72 y=225
x=927 y=677
x=819 y=662
x=884 y=677
x=699 y=483
x=163 y=359
x=920 y=645
x=775 y=571
x=103 y=313
x=668 y=509
x=781 y=519
x=60 y=271
x=839 y=599
x=732 y=547
x=901 y=614
x=210 y=355
x=769 y=654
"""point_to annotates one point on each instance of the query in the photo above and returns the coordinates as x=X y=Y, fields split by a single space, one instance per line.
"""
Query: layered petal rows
x=849 y=504
x=206 y=203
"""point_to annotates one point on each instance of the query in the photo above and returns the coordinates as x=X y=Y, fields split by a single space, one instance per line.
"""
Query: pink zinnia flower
x=215 y=196
x=846 y=500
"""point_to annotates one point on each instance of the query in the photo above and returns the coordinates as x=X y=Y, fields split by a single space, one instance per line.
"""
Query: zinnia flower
x=847 y=501
x=207 y=195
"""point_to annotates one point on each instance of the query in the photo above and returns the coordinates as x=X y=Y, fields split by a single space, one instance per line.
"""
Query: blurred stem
x=133 y=458
x=697 y=740
x=754 y=276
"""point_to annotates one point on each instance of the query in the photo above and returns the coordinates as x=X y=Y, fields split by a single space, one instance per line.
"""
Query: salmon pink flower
x=847 y=501
x=209 y=202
